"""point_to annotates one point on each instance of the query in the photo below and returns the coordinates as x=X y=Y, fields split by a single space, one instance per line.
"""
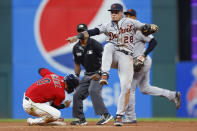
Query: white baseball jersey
x=121 y=33
x=142 y=78
x=120 y=38
x=140 y=43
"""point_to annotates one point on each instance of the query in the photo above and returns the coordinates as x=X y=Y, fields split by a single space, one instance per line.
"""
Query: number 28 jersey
x=121 y=33
x=49 y=88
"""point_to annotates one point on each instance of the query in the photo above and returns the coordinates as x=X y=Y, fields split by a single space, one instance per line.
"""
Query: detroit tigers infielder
x=120 y=34
x=142 y=79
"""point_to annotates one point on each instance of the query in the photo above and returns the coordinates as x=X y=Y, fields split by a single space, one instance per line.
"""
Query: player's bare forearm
x=67 y=103
x=77 y=69
x=72 y=39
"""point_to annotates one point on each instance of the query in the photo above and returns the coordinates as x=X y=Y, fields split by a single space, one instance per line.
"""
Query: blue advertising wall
x=187 y=84
x=33 y=48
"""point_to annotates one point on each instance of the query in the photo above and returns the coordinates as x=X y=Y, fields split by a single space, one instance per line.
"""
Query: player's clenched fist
x=67 y=103
x=80 y=36
x=72 y=39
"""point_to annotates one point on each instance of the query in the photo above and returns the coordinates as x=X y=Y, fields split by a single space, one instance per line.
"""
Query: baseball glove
x=138 y=63
x=148 y=29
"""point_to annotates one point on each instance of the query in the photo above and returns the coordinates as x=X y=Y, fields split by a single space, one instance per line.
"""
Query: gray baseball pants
x=88 y=86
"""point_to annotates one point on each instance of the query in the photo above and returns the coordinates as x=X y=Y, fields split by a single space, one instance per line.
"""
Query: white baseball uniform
x=120 y=37
x=44 y=111
x=142 y=78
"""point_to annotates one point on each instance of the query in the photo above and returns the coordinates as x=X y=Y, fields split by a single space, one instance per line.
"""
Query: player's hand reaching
x=72 y=39
x=81 y=36
x=67 y=103
x=139 y=63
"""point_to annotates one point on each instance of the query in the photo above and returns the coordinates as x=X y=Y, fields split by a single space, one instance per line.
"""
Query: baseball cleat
x=118 y=120
x=129 y=120
x=30 y=122
x=104 y=119
x=60 y=119
x=79 y=122
x=56 y=123
x=177 y=100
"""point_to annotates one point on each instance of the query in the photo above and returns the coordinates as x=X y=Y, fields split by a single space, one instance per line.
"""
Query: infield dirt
x=140 y=126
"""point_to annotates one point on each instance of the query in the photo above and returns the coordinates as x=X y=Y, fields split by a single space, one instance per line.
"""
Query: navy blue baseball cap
x=131 y=12
x=81 y=27
x=116 y=6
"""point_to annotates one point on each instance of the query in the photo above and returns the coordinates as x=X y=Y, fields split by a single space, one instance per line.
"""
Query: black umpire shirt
x=89 y=56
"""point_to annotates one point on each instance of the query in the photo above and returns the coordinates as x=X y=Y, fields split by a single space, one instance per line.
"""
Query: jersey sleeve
x=44 y=71
x=143 y=37
x=76 y=60
x=137 y=23
x=102 y=28
x=59 y=98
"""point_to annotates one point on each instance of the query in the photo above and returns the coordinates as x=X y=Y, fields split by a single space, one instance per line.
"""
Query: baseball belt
x=126 y=52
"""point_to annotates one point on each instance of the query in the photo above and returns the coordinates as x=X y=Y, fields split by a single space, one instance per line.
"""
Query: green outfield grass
x=140 y=119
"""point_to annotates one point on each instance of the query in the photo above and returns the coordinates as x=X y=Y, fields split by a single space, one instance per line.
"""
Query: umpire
x=88 y=52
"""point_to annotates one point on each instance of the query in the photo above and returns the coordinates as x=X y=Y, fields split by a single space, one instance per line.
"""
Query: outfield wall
x=33 y=35
x=39 y=32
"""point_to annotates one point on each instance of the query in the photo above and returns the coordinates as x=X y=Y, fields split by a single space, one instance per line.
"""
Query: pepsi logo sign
x=57 y=20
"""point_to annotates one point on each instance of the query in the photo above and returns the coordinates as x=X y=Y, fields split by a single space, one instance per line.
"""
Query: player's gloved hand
x=95 y=77
x=148 y=29
x=139 y=63
x=154 y=28
x=67 y=103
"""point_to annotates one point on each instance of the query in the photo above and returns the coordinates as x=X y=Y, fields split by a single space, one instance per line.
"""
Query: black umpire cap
x=131 y=12
x=81 y=27
x=116 y=6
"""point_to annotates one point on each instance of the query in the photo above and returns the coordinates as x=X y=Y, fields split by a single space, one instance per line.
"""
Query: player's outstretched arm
x=44 y=71
x=146 y=29
x=81 y=35
x=152 y=44
x=84 y=34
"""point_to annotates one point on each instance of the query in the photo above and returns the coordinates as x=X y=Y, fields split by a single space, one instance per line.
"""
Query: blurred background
x=33 y=33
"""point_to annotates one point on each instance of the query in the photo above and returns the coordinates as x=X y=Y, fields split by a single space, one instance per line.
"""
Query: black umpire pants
x=88 y=86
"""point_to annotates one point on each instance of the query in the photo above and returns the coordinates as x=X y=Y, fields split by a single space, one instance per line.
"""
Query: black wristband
x=61 y=106
x=80 y=36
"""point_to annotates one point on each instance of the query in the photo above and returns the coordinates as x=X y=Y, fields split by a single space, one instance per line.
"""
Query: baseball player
x=120 y=34
x=43 y=98
x=141 y=76
x=88 y=52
